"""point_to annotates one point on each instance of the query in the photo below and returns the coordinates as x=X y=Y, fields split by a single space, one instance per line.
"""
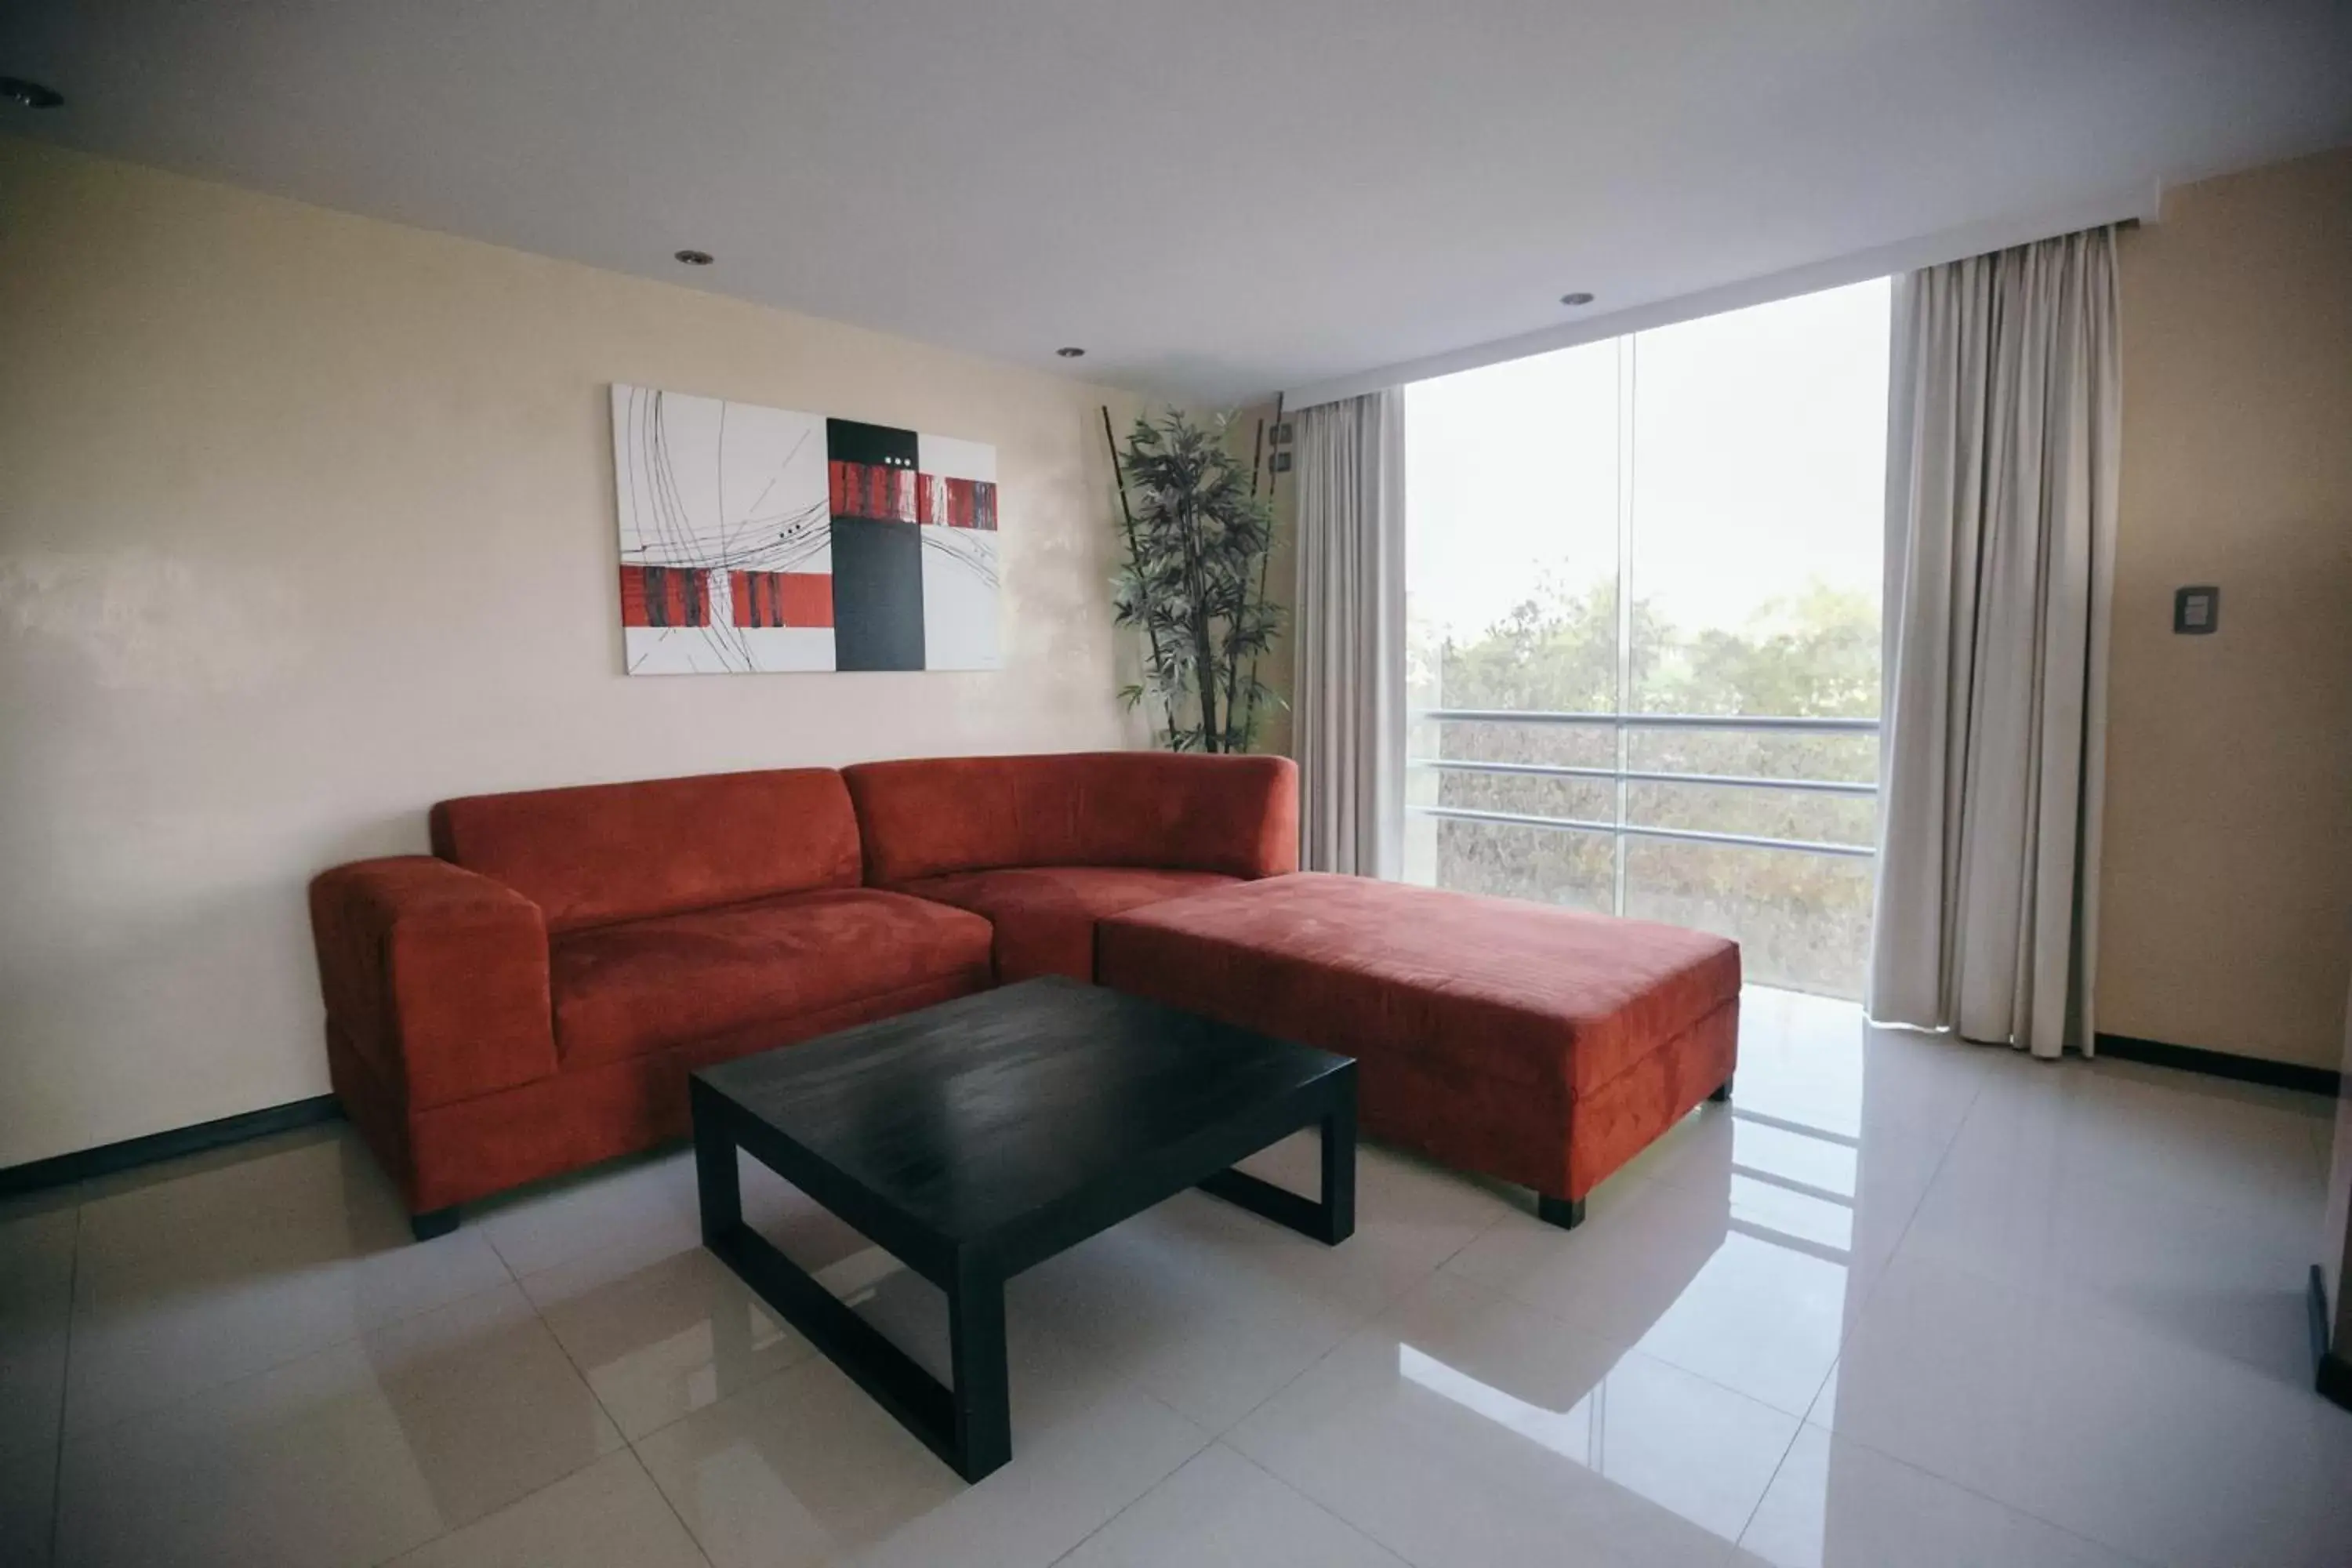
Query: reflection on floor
x=1906 y=1302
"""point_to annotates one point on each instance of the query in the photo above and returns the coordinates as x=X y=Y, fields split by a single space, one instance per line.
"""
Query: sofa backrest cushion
x=596 y=854
x=925 y=818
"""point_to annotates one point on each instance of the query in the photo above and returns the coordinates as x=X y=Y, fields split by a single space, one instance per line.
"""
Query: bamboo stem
x=1265 y=562
x=1150 y=616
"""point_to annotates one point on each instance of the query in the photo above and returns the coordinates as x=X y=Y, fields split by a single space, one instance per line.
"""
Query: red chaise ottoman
x=1541 y=1046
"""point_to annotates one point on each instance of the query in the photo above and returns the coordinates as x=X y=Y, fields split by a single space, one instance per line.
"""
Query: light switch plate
x=2196 y=612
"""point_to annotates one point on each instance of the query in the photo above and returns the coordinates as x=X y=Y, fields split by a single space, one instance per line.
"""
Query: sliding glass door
x=1642 y=590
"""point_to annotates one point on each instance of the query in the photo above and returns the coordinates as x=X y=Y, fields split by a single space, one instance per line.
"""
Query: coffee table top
x=973 y=1117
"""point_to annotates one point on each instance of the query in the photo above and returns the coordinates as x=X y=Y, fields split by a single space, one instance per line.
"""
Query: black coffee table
x=979 y=1137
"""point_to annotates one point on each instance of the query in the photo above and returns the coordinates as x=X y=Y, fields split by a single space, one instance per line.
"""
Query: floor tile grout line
x=587 y=1383
x=1835 y=1435
x=1218 y=1441
x=549 y=1328
x=1847 y=1331
x=1771 y=1481
x=520 y=1498
x=1349 y=1525
x=1552 y=1315
x=1387 y=1303
x=65 y=1384
x=1178 y=1468
x=629 y=1447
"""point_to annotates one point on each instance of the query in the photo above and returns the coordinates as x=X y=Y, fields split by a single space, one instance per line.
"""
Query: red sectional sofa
x=529 y=998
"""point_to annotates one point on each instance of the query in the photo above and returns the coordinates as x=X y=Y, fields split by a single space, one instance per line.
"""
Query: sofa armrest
x=435 y=973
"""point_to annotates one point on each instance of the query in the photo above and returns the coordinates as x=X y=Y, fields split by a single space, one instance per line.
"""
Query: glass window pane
x=1528 y=794
x=1845 y=756
x=1759 y=508
x=1808 y=816
x=1684 y=520
x=1511 y=534
x=1550 y=865
x=1486 y=741
x=1802 y=921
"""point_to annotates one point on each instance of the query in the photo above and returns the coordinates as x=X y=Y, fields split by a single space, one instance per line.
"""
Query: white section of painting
x=952 y=458
x=725 y=487
x=960 y=577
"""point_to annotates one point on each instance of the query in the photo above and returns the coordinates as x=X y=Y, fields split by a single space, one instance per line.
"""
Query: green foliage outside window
x=1802 y=919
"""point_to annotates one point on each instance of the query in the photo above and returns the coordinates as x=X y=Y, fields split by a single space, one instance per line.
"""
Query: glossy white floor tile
x=645 y=1205
x=1671 y=1273
x=1220 y=1509
x=346 y=1455
x=1902 y=1301
x=662 y=1340
x=234 y=1266
x=2193 y=1213
x=1158 y=1303
x=36 y=1256
x=1836 y=1504
x=1462 y=1427
x=805 y=1470
x=2134 y=1435
x=609 y=1515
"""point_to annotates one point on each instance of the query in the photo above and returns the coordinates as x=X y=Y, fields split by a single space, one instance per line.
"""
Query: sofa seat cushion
x=681 y=980
x=1045 y=915
x=1466 y=987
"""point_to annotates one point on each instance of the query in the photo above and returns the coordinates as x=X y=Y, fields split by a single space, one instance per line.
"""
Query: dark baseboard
x=109 y=1158
x=2221 y=1064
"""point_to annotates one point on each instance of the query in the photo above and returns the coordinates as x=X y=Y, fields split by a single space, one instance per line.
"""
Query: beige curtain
x=1350 y=626
x=2004 y=419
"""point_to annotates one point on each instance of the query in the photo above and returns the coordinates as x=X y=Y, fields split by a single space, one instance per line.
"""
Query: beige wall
x=2227 y=892
x=307 y=520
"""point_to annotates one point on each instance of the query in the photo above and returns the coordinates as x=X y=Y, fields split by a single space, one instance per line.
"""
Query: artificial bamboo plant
x=1193 y=581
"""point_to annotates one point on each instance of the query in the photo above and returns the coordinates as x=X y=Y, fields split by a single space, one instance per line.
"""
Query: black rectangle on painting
x=878 y=594
x=882 y=446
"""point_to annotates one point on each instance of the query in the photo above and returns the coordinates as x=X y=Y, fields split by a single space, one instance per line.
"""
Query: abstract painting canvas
x=759 y=539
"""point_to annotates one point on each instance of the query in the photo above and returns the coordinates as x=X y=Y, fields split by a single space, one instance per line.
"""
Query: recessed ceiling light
x=31 y=94
x=1578 y=298
x=695 y=258
x=1071 y=353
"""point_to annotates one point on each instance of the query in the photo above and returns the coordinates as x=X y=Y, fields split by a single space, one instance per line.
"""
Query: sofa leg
x=1565 y=1213
x=433 y=1222
x=1722 y=1095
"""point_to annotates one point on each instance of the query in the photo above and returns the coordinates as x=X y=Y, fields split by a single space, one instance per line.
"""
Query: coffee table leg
x=983 y=1409
x=969 y=1426
x=1332 y=1220
x=716 y=1178
x=1339 y=1174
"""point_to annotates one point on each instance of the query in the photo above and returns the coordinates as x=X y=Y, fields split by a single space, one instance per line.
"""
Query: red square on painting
x=664 y=596
x=781 y=598
x=956 y=503
x=872 y=491
x=805 y=597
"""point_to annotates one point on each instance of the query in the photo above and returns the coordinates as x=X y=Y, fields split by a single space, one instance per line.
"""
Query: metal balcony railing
x=1622 y=776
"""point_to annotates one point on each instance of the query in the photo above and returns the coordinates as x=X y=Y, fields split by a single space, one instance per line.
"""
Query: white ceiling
x=1215 y=198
